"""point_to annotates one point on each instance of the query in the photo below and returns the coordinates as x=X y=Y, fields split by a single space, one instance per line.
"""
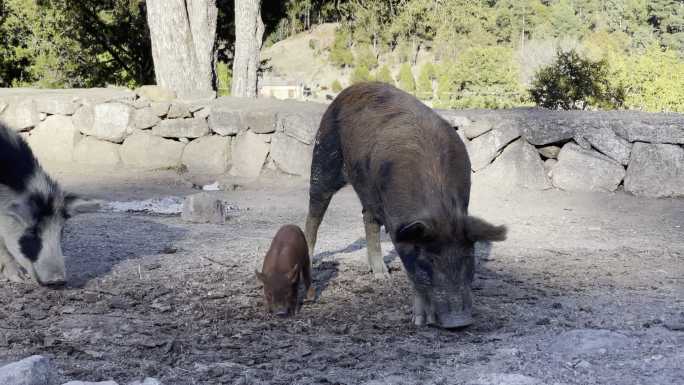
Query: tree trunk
x=183 y=33
x=249 y=32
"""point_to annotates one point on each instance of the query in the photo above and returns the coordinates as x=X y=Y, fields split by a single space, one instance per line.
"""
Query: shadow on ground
x=94 y=245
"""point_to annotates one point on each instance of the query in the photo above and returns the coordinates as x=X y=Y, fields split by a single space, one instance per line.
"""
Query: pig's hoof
x=310 y=295
x=380 y=271
x=14 y=273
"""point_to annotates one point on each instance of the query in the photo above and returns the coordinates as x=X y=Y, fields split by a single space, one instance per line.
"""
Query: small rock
x=543 y=321
x=557 y=305
x=211 y=187
x=147 y=381
x=34 y=370
x=203 y=208
x=181 y=128
x=507 y=379
x=583 y=364
x=90 y=383
x=677 y=326
x=549 y=152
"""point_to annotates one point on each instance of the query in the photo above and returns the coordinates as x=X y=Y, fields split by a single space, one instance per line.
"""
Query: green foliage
x=384 y=75
x=336 y=86
x=482 y=77
x=224 y=77
x=573 y=82
x=653 y=81
x=366 y=57
x=406 y=80
x=425 y=78
x=340 y=53
x=360 y=74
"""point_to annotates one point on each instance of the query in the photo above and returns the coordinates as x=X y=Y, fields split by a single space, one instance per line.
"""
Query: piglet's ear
x=77 y=205
x=480 y=230
x=260 y=276
x=292 y=275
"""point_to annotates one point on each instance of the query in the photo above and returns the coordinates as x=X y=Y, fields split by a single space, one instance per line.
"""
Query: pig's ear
x=413 y=232
x=480 y=230
x=74 y=204
x=293 y=274
x=260 y=276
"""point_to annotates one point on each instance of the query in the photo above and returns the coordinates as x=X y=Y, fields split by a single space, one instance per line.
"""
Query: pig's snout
x=446 y=313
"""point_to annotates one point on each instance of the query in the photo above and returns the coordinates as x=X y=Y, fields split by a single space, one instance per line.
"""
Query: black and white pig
x=411 y=172
x=33 y=209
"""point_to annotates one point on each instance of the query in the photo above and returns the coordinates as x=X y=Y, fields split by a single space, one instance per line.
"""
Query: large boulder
x=20 y=115
x=143 y=150
x=656 y=170
x=145 y=118
x=518 y=166
x=178 y=110
x=160 y=108
x=483 y=149
x=226 y=122
x=586 y=170
x=106 y=121
x=301 y=124
x=181 y=128
x=259 y=121
x=478 y=127
x=651 y=128
x=605 y=140
x=156 y=93
x=249 y=154
x=454 y=118
x=208 y=155
x=58 y=104
x=54 y=139
x=34 y=370
x=291 y=155
x=97 y=152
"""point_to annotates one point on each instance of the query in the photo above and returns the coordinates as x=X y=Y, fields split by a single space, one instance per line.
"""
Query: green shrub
x=383 y=75
x=340 y=54
x=573 y=82
x=360 y=74
x=425 y=78
x=224 y=78
x=366 y=57
x=406 y=80
x=336 y=86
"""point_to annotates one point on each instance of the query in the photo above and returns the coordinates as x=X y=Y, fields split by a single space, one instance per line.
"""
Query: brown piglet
x=286 y=261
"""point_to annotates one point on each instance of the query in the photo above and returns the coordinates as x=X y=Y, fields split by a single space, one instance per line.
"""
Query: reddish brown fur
x=286 y=262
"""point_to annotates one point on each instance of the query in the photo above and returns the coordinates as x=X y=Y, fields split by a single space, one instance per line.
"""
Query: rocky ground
x=588 y=289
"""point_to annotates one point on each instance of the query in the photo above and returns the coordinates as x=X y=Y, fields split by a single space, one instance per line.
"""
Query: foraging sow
x=411 y=172
x=33 y=209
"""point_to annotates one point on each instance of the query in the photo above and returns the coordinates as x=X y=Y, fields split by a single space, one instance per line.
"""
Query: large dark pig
x=33 y=210
x=412 y=174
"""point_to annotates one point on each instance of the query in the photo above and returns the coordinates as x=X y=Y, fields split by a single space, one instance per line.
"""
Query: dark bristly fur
x=411 y=172
x=17 y=163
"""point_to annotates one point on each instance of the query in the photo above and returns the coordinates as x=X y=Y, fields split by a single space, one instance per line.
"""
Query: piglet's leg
x=375 y=260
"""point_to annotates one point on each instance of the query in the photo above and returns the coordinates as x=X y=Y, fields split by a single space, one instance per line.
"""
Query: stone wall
x=150 y=128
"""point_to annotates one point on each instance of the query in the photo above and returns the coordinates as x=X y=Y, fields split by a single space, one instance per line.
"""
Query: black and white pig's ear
x=74 y=204
x=415 y=231
x=480 y=230
x=21 y=211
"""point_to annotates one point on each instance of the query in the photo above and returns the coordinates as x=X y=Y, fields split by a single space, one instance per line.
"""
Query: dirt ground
x=588 y=289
